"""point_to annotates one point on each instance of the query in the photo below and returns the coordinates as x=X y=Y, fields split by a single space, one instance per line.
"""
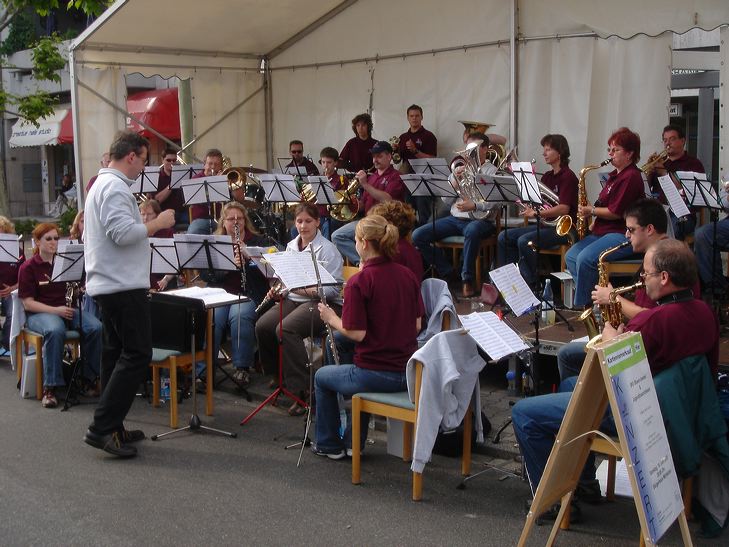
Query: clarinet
x=323 y=299
x=71 y=297
x=243 y=280
x=268 y=301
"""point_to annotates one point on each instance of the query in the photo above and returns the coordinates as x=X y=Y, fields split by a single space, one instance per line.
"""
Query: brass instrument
x=465 y=183
x=611 y=313
x=563 y=223
x=395 y=143
x=497 y=152
x=650 y=166
x=582 y=195
x=347 y=206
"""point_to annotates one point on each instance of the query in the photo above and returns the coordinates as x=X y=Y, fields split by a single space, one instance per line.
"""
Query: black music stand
x=208 y=190
x=280 y=188
x=147 y=182
x=183 y=173
x=10 y=248
x=192 y=331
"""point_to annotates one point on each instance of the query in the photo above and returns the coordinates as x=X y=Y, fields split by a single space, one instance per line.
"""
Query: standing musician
x=623 y=187
x=417 y=142
x=8 y=283
x=298 y=310
x=170 y=198
x=384 y=184
x=674 y=143
x=296 y=149
x=201 y=221
x=461 y=221
x=382 y=314
x=356 y=155
x=514 y=242
x=240 y=318
x=48 y=313
x=679 y=326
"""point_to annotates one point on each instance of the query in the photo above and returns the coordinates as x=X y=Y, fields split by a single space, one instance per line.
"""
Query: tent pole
x=80 y=186
x=184 y=99
x=268 y=113
x=513 y=90
x=723 y=99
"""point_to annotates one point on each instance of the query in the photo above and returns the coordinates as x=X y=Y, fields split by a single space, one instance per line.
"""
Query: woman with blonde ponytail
x=381 y=313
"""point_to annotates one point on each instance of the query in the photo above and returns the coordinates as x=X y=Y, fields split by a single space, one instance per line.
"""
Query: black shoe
x=132 y=435
x=552 y=512
x=589 y=492
x=331 y=455
x=111 y=443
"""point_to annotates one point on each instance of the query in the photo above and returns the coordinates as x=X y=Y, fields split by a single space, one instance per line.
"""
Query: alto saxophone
x=611 y=313
x=582 y=196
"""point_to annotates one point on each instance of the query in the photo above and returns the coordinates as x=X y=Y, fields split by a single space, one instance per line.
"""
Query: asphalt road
x=200 y=488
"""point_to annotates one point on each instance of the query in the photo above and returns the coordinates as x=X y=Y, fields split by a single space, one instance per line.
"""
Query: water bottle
x=511 y=378
x=548 y=304
x=164 y=389
x=342 y=422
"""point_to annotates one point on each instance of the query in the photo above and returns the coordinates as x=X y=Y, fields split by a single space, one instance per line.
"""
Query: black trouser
x=125 y=355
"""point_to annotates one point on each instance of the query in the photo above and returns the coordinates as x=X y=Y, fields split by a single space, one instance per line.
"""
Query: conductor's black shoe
x=110 y=443
x=132 y=435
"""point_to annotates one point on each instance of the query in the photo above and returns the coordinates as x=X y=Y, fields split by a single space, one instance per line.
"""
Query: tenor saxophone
x=611 y=313
x=582 y=195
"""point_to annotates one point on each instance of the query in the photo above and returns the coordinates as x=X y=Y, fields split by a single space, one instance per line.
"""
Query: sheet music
x=147 y=181
x=494 y=336
x=9 y=248
x=526 y=181
x=181 y=173
x=498 y=189
x=325 y=194
x=699 y=191
x=68 y=265
x=296 y=270
x=428 y=185
x=211 y=296
x=191 y=253
x=678 y=205
x=436 y=166
x=279 y=187
x=164 y=256
x=514 y=289
x=206 y=190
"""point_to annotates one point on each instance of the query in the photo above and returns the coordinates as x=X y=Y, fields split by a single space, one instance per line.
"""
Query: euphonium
x=465 y=183
x=563 y=223
x=611 y=313
x=582 y=196
x=347 y=206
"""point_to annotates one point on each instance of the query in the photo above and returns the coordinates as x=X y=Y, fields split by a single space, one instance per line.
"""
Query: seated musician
x=679 y=326
x=298 y=314
x=305 y=165
x=239 y=319
x=170 y=198
x=149 y=210
x=708 y=249
x=623 y=186
x=8 y=283
x=48 y=314
x=356 y=155
x=467 y=218
x=202 y=215
x=677 y=159
x=384 y=184
x=382 y=314
x=514 y=242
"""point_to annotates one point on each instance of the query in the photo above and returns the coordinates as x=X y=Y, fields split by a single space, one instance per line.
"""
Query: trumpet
x=657 y=157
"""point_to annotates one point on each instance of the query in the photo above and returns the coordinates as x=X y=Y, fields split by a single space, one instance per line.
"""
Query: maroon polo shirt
x=91 y=182
x=684 y=163
x=176 y=199
x=564 y=185
x=33 y=282
x=680 y=329
x=410 y=257
x=9 y=272
x=620 y=190
x=424 y=141
x=356 y=154
x=307 y=165
x=384 y=300
x=389 y=181
x=202 y=210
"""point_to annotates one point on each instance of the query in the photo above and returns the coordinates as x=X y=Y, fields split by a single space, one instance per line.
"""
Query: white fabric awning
x=52 y=130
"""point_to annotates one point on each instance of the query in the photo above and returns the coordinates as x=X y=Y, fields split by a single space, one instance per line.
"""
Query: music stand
x=10 y=248
x=432 y=186
x=164 y=256
x=68 y=267
x=208 y=190
x=433 y=166
x=147 y=181
x=323 y=191
x=182 y=173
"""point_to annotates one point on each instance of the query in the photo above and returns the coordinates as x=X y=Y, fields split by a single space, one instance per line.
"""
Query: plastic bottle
x=511 y=378
x=164 y=389
x=548 y=314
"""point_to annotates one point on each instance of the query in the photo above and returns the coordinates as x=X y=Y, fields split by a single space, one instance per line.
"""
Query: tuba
x=465 y=183
x=347 y=206
x=582 y=195
x=611 y=313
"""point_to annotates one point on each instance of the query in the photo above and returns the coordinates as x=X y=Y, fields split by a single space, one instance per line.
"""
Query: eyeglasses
x=51 y=238
x=234 y=219
x=669 y=140
x=631 y=229
x=643 y=275
x=168 y=160
x=615 y=149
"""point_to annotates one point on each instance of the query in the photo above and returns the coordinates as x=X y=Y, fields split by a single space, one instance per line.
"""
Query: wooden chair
x=399 y=407
x=623 y=268
x=172 y=361
x=561 y=252
x=27 y=338
x=349 y=271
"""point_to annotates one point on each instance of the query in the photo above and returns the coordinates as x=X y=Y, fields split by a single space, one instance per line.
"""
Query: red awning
x=65 y=136
x=158 y=108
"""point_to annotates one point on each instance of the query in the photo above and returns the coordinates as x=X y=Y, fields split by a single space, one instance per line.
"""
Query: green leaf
x=37 y=106
x=47 y=59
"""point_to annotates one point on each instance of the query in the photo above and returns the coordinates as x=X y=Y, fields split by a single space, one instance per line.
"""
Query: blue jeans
x=473 y=231
x=6 y=307
x=570 y=358
x=237 y=316
x=53 y=328
x=347 y=380
x=202 y=226
x=682 y=227
x=706 y=258
x=537 y=420
x=343 y=239
x=514 y=246
x=582 y=262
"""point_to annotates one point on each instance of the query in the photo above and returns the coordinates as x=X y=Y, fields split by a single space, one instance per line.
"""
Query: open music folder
x=492 y=335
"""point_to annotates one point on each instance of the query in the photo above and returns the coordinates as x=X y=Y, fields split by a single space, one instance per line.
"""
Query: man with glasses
x=170 y=198
x=299 y=163
x=674 y=142
x=203 y=215
x=678 y=326
x=117 y=277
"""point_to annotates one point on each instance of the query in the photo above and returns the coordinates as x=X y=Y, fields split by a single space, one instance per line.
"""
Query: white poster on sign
x=654 y=477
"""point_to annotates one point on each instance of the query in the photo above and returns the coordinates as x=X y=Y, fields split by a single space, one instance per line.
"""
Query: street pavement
x=201 y=488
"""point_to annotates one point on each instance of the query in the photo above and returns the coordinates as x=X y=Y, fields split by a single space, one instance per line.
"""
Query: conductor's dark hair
x=126 y=142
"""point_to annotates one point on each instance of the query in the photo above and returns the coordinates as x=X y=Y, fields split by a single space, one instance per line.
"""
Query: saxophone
x=582 y=196
x=611 y=313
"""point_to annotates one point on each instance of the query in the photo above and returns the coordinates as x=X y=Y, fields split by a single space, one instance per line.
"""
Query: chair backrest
x=440 y=311
x=349 y=271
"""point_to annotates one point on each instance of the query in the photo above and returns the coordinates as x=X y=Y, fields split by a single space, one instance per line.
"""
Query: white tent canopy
x=568 y=66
